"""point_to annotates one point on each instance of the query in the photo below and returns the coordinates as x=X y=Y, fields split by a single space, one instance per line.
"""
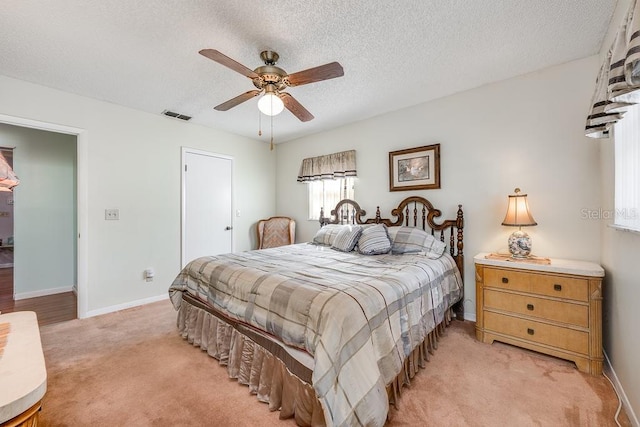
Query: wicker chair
x=276 y=231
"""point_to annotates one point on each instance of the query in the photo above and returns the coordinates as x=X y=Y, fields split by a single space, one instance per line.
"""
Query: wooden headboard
x=413 y=211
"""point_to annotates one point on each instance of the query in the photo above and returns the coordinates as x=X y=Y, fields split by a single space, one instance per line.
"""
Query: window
x=627 y=170
x=326 y=194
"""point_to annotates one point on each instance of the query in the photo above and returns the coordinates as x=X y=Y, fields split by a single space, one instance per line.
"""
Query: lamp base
x=520 y=244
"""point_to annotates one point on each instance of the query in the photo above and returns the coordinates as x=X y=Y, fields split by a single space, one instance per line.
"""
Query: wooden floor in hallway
x=49 y=309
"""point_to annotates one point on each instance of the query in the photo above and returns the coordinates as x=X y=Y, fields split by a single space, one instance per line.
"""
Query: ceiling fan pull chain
x=271 y=148
x=259 y=123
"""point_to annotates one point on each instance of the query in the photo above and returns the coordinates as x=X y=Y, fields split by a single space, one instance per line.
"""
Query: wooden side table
x=553 y=308
x=23 y=375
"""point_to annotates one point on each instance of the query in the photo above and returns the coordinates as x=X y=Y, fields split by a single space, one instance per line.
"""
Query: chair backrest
x=276 y=231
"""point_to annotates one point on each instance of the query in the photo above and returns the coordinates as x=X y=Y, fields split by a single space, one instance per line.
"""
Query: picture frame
x=415 y=168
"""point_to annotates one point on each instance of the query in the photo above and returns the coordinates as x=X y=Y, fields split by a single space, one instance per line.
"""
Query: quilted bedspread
x=359 y=316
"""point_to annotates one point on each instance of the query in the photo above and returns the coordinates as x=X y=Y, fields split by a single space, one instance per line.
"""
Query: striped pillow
x=347 y=238
x=327 y=234
x=374 y=240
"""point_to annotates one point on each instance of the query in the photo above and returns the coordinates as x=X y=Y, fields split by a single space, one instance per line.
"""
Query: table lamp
x=518 y=215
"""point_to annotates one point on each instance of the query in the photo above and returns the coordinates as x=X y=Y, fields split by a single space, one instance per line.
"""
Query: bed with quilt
x=329 y=331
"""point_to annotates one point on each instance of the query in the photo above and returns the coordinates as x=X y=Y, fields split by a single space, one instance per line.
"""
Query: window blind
x=627 y=170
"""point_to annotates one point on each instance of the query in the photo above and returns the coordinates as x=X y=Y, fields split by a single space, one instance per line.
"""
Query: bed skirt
x=272 y=374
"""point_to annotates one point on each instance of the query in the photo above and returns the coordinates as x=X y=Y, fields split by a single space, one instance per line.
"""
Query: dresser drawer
x=541 y=333
x=541 y=284
x=557 y=311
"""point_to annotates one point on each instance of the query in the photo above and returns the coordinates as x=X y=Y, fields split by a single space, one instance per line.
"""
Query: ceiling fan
x=272 y=80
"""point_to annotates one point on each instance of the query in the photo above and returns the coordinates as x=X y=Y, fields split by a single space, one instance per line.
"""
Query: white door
x=206 y=204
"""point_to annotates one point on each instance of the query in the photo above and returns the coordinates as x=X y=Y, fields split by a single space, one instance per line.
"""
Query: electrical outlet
x=111 y=214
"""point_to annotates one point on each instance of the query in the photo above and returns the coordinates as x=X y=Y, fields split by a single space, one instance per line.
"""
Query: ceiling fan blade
x=237 y=100
x=316 y=74
x=223 y=59
x=295 y=107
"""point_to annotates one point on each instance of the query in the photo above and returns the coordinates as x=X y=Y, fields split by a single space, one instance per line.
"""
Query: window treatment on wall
x=330 y=166
x=618 y=83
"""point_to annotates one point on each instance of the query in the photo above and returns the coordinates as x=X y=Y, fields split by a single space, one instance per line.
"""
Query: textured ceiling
x=144 y=54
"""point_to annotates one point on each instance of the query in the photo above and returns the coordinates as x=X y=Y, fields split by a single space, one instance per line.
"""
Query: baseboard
x=618 y=386
x=126 y=305
x=42 y=293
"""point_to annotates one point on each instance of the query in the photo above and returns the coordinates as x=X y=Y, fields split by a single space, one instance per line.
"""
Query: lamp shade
x=8 y=178
x=270 y=104
x=518 y=213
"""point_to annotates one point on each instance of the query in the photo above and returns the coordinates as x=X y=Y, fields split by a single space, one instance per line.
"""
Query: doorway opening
x=6 y=237
x=54 y=296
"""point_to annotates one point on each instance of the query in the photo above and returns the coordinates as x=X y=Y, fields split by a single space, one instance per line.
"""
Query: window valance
x=330 y=166
x=618 y=83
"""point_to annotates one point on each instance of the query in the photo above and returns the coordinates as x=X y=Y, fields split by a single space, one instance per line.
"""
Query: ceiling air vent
x=176 y=115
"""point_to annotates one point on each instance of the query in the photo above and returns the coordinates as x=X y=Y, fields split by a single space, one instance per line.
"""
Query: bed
x=329 y=331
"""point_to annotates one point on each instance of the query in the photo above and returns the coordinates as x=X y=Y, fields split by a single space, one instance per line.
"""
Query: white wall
x=524 y=132
x=620 y=252
x=133 y=163
x=45 y=209
x=621 y=317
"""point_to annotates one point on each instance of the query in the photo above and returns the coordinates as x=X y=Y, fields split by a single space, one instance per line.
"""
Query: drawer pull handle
x=530 y=331
x=505 y=280
x=557 y=287
x=530 y=307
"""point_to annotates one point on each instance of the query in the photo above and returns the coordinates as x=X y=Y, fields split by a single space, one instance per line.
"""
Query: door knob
x=228 y=227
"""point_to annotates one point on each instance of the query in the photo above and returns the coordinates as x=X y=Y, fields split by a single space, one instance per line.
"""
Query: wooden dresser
x=554 y=309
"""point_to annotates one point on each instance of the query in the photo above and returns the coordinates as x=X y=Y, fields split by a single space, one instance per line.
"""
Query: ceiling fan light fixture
x=273 y=80
x=270 y=104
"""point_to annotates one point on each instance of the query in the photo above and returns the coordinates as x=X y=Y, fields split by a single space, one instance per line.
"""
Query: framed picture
x=415 y=168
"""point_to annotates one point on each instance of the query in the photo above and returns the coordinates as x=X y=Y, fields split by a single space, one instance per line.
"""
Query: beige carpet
x=132 y=368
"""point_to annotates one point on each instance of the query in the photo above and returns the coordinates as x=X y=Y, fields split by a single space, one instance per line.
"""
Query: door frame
x=183 y=207
x=82 y=194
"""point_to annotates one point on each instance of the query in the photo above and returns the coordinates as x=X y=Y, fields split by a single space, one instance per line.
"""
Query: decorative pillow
x=409 y=240
x=327 y=234
x=433 y=248
x=392 y=231
x=347 y=238
x=374 y=240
